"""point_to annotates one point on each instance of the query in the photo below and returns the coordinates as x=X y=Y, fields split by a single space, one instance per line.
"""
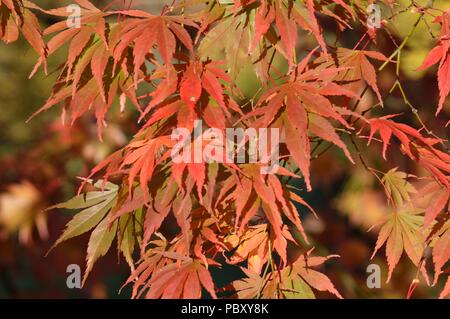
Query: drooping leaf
x=401 y=231
x=293 y=281
x=99 y=244
x=172 y=281
x=95 y=206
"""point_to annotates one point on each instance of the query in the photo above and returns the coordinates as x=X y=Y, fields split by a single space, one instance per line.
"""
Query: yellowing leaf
x=297 y=289
x=300 y=269
x=230 y=40
x=254 y=286
x=401 y=231
x=99 y=243
x=127 y=238
x=95 y=206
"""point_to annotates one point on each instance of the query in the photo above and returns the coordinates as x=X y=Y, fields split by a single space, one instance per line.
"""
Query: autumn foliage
x=174 y=223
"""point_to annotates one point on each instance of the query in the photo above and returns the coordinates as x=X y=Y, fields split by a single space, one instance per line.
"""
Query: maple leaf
x=274 y=202
x=166 y=273
x=88 y=80
x=95 y=205
x=149 y=215
x=355 y=67
x=287 y=29
x=233 y=48
x=16 y=17
x=141 y=158
x=103 y=56
x=397 y=187
x=307 y=91
x=127 y=228
x=313 y=6
x=255 y=248
x=301 y=269
x=216 y=82
x=287 y=17
x=440 y=54
x=293 y=281
x=401 y=231
x=182 y=208
x=434 y=199
x=253 y=286
x=196 y=78
x=387 y=128
x=92 y=22
x=151 y=260
x=416 y=146
x=211 y=235
x=184 y=282
x=99 y=243
x=167 y=87
x=145 y=30
x=264 y=17
x=322 y=128
x=437 y=163
x=441 y=250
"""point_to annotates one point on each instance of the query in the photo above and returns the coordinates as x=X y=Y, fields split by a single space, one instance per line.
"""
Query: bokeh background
x=41 y=160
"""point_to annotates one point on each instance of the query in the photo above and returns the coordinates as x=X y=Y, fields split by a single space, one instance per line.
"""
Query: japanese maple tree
x=174 y=222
